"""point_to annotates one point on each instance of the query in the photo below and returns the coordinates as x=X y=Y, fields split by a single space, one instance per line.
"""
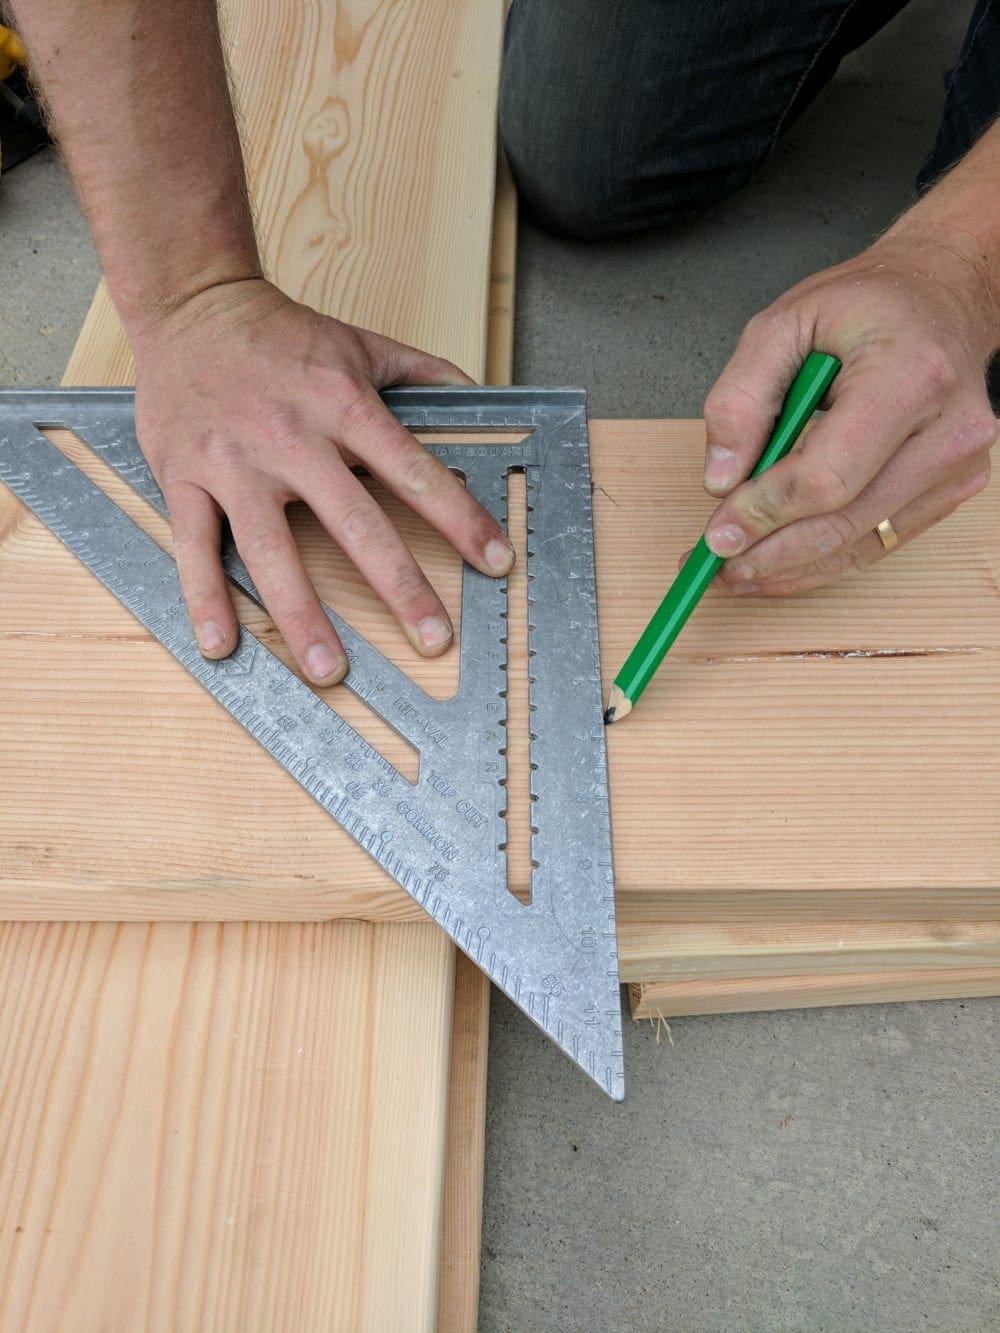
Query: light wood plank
x=500 y=347
x=239 y=1180
x=671 y=999
x=221 y=1126
x=462 y=1221
x=833 y=756
x=658 y=951
x=829 y=756
x=370 y=132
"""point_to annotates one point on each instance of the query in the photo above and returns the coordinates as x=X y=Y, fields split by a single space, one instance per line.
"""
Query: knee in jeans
x=566 y=185
x=577 y=192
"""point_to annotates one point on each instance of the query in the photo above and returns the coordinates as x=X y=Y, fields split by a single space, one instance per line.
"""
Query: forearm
x=960 y=217
x=139 y=101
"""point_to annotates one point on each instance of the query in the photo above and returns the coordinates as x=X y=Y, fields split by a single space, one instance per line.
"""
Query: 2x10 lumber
x=671 y=999
x=221 y=1126
x=383 y=1172
x=834 y=756
x=654 y=951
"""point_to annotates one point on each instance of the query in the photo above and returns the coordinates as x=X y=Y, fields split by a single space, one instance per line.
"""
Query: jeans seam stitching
x=817 y=55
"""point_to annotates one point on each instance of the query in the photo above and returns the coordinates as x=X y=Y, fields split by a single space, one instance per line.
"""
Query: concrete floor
x=826 y=1170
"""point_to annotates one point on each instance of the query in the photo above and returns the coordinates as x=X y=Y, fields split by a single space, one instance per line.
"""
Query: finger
x=946 y=450
x=369 y=430
x=265 y=542
x=368 y=537
x=915 y=518
x=742 y=405
x=196 y=528
x=396 y=363
x=879 y=402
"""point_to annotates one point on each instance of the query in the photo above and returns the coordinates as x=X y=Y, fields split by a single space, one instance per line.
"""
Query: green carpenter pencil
x=700 y=568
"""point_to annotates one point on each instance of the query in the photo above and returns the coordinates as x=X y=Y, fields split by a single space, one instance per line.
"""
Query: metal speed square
x=442 y=837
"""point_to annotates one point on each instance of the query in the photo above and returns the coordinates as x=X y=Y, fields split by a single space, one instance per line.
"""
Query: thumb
x=396 y=363
x=742 y=405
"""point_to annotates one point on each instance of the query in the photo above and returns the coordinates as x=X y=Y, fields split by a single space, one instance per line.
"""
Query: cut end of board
x=619 y=706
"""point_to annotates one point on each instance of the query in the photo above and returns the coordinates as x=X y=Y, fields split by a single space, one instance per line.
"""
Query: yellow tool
x=19 y=110
x=12 y=52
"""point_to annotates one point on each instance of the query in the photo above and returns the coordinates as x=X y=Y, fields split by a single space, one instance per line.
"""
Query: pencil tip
x=619 y=706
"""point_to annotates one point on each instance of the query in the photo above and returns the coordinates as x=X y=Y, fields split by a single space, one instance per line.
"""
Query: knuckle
x=262 y=542
x=763 y=503
x=342 y=384
x=360 y=524
x=423 y=474
x=822 y=486
x=973 y=432
x=172 y=472
x=282 y=426
x=728 y=408
x=408 y=583
x=220 y=450
x=357 y=409
x=481 y=528
x=934 y=369
x=832 y=533
x=186 y=545
x=762 y=324
x=298 y=621
x=200 y=595
x=974 y=484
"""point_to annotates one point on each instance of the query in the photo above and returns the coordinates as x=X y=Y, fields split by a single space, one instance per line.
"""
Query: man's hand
x=909 y=429
x=246 y=401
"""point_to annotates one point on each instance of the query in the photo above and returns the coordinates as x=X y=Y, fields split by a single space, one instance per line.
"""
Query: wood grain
x=833 y=756
x=230 y=1126
x=221 y=1126
x=665 y=951
x=669 y=999
x=503 y=261
x=462 y=1220
x=370 y=133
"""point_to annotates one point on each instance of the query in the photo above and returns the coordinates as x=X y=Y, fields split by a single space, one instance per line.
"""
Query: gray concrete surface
x=49 y=270
x=825 y=1170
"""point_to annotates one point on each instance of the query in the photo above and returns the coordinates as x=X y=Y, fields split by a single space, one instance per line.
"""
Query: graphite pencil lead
x=619 y=706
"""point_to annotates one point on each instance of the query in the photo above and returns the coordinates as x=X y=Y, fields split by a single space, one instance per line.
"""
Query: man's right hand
x=245 y=401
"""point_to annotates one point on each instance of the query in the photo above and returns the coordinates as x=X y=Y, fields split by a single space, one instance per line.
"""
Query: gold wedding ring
x=887 y=534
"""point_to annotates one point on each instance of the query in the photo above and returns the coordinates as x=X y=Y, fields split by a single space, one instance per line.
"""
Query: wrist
x=151 y=298
x=953 y=235
x=960 y=265
x=218 y=293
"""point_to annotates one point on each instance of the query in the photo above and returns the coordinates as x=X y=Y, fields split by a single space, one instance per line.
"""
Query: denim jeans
x=621 y=114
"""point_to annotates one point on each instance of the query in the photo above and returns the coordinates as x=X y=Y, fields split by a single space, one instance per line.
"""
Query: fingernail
x=434 y=631
x=211 y=637
x=727 y=540
x=720 y=467
x=744 y=589
x=322 y=662
x=499 y=555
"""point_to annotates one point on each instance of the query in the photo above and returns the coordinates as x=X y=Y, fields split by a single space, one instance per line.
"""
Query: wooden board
x=157 y=1116
x=833 y=756
x=221 y=1126
x=670 y=999
x=465 y=1148
x=658 y=951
